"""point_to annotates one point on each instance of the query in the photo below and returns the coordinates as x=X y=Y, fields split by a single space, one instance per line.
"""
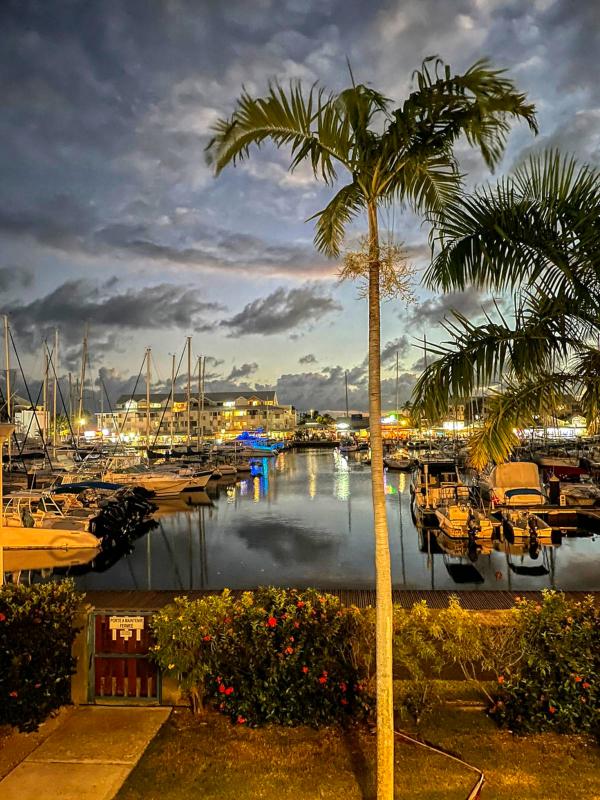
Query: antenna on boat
x=202 y=398
x=397 y=377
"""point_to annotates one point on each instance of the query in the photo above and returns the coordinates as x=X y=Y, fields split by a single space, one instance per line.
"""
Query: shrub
x=274 y=655
x=416 y=652
x=477 y=646
x=555 y=684
x=36 y=636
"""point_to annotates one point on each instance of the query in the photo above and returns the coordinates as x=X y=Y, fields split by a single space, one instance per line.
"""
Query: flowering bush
x=274 y=655
x=555 y=683
x=36 y=636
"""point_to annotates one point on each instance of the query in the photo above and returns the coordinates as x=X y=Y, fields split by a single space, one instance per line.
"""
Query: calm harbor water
x=307 y=520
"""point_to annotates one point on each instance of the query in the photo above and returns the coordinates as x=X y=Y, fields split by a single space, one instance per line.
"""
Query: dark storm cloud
x=400 y=345
x=243 y=371
x=471 y=304
x=14 y=278
x=282 y=311
x=326 y=389
x=309 y=358
x=76 y=303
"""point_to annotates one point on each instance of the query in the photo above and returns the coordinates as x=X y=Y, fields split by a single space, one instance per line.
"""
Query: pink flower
x=13 y=694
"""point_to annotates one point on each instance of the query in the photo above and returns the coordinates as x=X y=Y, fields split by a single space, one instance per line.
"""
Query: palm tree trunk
x=383 y=578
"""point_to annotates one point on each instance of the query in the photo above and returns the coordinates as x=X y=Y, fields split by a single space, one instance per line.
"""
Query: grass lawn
x=211 y=759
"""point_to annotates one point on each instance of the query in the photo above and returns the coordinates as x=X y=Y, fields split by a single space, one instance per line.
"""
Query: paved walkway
x=88 y=757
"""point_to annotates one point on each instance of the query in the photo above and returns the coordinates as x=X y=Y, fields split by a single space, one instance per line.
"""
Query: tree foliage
x=535 y=235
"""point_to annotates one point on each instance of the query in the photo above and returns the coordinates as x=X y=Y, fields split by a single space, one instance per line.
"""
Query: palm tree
x=403 y=155
x=536 y=234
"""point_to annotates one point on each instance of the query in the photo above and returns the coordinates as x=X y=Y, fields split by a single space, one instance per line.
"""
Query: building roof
x=209 y=397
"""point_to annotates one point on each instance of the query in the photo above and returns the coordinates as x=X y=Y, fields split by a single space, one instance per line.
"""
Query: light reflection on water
x=307 y=520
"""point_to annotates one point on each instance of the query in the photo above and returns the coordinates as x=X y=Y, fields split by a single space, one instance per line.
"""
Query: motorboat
x=23 y=560
x=399 y=459
x=161 y=485
x=461 y=521
x=516 y=483
x=580 y=494
x=431 y=488
x=519 y=523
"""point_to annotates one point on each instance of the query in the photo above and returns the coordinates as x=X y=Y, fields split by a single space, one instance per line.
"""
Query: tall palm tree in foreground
x=536 y=234
x=405 y=155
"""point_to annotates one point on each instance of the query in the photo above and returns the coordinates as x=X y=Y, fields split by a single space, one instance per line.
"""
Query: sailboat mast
x=198 y=437
x=202 y=398
x=8 y=387
x=45 y=395
x=83 y=365
x=189 y=390
x=346 y=381
x=172 y=398
x=148 y=378
x=397 y=377
x=55 y=389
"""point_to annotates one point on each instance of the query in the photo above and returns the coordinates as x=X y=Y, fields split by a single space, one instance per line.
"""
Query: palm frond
x=517 y=406
x=308 y=122
x=539 y=228
x=331 y=222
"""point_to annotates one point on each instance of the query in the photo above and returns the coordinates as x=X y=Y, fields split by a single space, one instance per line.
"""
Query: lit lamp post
x=6 y=430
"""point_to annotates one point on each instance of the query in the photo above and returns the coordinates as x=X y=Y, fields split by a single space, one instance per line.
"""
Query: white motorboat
x=516 y=483
x=161 y=485
x=521 y=524
x=460 y=521
x=399 y=459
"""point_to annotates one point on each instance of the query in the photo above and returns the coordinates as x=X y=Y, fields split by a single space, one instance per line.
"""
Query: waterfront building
x=217 y=415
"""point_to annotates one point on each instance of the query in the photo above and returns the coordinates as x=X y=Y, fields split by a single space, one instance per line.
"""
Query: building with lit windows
x=216 y=415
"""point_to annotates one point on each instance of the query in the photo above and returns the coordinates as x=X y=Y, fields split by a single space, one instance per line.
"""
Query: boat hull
x=19 y=538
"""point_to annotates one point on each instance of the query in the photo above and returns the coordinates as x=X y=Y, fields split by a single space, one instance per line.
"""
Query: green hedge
x=36 y=636
x=274 y=655
x=555 y=683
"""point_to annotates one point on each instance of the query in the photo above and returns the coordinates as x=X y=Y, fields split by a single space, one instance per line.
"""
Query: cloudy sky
x=110 y=217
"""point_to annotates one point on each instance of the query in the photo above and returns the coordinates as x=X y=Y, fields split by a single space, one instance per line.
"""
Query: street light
x=6 y=430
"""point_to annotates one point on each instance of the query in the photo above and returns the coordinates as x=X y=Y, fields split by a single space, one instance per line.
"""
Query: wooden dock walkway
x=484 y=600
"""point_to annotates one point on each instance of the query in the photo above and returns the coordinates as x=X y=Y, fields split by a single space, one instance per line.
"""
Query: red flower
x=343 y=701
x=37 y=685
x=229 y=690
x=271 y=622
x=206 y=638
x=222 y=688
x=227 y=620
x=241 y=720
x=289 y=650
x=578 y=678
x=13 y=694
x=219 y=679
x=343 y=686
x=2 y=617
x=322 y=679
x=552 y=709
x=586 y=685
x=305 y=669
x=500 y=678
x=296 y=624
x=300 y=604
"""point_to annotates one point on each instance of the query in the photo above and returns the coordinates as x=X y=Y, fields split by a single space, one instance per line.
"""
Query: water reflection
x=307 y=520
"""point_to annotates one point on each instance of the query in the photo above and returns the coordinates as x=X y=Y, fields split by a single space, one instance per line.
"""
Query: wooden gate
x=121 y=670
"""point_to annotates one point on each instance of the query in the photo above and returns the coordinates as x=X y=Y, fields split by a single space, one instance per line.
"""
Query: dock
x=484 y=600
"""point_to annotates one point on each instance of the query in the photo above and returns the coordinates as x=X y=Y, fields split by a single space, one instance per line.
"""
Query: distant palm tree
x=536 y=234
x=391 y=155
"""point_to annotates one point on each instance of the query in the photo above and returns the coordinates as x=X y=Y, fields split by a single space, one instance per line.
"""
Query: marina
x=306 y=520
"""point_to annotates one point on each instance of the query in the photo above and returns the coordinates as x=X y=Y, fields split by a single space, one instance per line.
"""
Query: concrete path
x=86 y=758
